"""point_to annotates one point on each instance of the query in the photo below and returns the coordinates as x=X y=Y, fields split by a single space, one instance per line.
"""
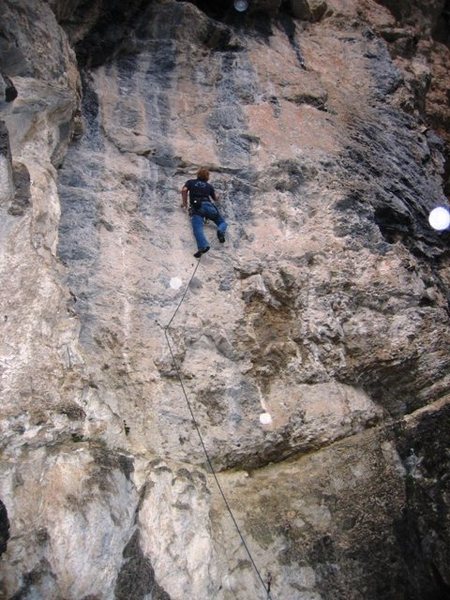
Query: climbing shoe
x=200 y=252
x=221 y=237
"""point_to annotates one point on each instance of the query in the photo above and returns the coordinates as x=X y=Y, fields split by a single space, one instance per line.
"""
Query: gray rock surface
x=327 y=307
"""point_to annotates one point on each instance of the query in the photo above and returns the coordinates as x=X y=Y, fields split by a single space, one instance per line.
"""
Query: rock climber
x=202 y=198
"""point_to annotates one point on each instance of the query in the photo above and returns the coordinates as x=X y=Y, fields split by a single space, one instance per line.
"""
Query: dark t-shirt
x=199 y=191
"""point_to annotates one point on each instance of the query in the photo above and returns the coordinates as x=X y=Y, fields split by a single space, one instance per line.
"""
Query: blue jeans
x=208 y=211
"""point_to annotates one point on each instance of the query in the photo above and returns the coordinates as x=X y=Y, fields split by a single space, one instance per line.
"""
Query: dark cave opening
x=220 y=10
x=225 y=11
x=109 y=29
x=113 y=24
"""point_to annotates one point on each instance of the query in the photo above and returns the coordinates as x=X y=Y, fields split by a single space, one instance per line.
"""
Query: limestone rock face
x=327 y=308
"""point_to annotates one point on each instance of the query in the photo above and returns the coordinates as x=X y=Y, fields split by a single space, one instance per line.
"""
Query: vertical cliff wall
x=325 y=127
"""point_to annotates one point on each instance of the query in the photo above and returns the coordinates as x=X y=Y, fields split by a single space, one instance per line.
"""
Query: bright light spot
x=240 y=5
x=439 y=218
x=265 y=418
x=175 y=283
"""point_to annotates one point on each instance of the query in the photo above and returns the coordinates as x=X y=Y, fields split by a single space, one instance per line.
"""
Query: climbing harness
x=197 y=428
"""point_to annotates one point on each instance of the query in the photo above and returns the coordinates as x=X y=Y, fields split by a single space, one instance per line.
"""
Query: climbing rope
x=197 y=428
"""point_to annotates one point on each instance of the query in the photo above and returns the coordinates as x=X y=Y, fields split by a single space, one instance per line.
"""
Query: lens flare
x=240 y=5
x=175 y=283
x=265 y=418
x=439 y=218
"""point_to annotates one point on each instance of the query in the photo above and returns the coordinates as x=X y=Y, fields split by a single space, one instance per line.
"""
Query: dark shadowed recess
x=100 y=29
x=222 y=10
x=441 y=31
x=4 y=528
x=423 y=528
x=438 y=13
x=219 y=9
x=258 y=21
x=136 y=578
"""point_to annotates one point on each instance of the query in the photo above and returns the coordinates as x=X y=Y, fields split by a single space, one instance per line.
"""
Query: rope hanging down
x=197 y=428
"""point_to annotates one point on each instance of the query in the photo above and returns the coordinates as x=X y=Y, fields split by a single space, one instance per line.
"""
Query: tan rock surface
x=327 y=307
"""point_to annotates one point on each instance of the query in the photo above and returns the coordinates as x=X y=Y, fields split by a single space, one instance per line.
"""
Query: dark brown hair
x=203 y=174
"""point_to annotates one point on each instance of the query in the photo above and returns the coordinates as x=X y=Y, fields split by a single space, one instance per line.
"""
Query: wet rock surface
x=324 y=128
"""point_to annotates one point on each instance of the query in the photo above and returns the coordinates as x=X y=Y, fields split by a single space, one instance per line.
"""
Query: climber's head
x=203 y=174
